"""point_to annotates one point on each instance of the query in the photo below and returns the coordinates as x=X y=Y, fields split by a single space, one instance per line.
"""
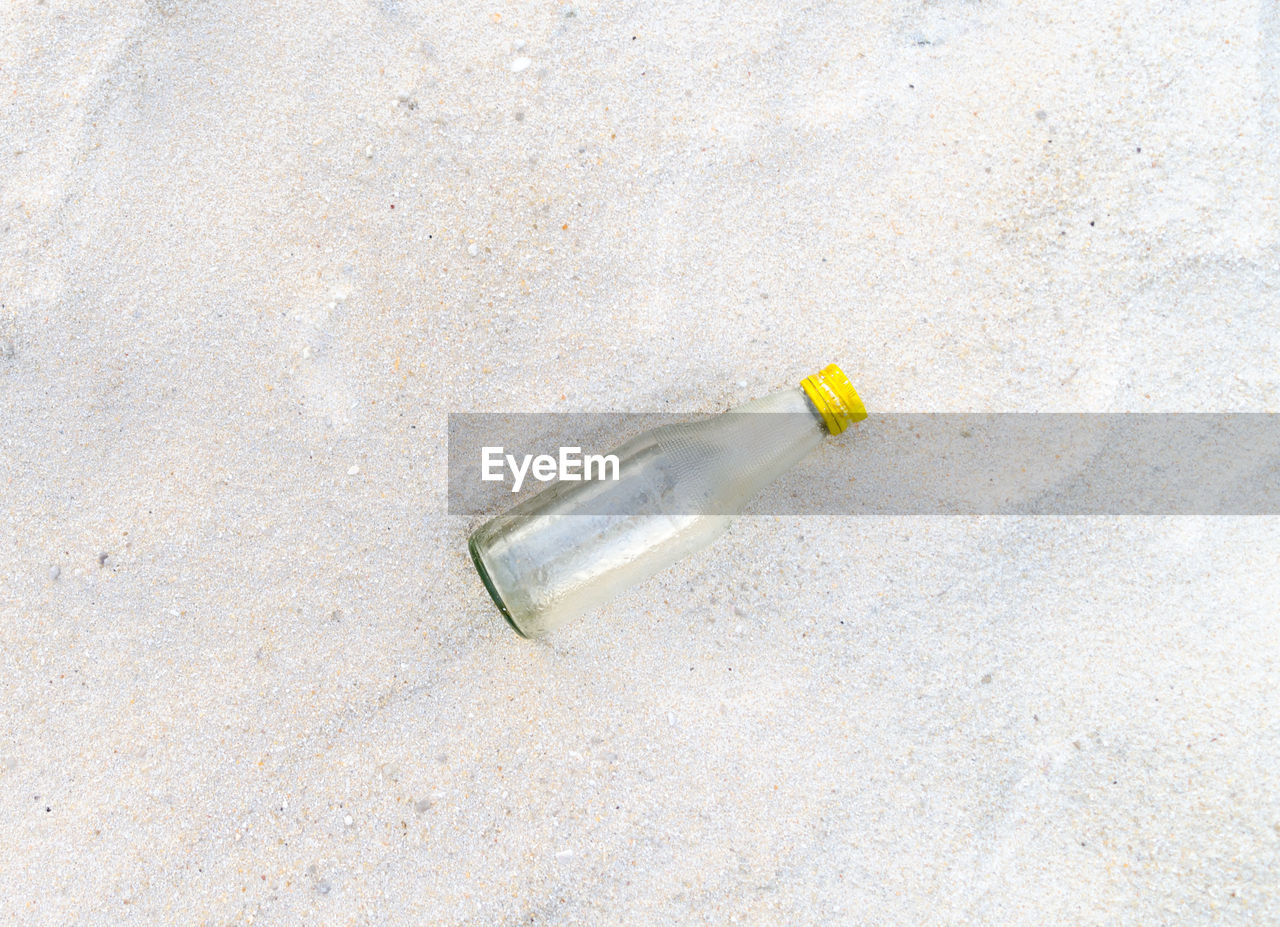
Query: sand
x=251 y=258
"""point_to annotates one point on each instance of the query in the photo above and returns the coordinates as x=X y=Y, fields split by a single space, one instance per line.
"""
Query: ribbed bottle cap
x=835 y=398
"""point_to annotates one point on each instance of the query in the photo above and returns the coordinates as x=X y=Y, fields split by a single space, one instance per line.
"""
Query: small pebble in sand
x=519 y=64
x=323 y=887
x=348 y=820
x=6 y=347
x=102 y=558
x=368 y=152
x=473 y=249
x=422 y=805
x=55 y=571
x=353 y=470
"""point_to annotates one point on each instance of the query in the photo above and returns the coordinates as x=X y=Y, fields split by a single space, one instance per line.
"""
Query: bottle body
x=575 y=545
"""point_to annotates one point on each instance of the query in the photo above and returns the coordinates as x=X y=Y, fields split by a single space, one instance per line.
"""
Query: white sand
x=282 y=695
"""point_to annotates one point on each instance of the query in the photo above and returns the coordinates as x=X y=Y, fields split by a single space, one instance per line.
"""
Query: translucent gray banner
x=928 y=463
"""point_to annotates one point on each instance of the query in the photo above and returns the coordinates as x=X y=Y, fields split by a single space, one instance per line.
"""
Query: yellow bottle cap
x=835 y=398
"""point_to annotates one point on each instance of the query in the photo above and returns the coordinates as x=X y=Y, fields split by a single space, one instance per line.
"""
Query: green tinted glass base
x=488 y=584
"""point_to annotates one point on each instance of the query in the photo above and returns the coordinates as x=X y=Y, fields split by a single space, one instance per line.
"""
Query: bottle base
x=478 y=560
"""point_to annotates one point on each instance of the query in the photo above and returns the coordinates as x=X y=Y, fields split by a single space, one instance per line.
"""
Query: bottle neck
x=793 y=401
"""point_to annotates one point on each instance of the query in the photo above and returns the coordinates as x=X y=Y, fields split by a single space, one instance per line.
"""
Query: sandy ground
x=252 y=255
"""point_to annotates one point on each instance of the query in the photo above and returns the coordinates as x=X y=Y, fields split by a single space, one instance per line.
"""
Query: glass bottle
x=574 y=545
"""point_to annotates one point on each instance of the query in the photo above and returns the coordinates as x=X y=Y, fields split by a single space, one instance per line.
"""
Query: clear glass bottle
x=574 y=545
